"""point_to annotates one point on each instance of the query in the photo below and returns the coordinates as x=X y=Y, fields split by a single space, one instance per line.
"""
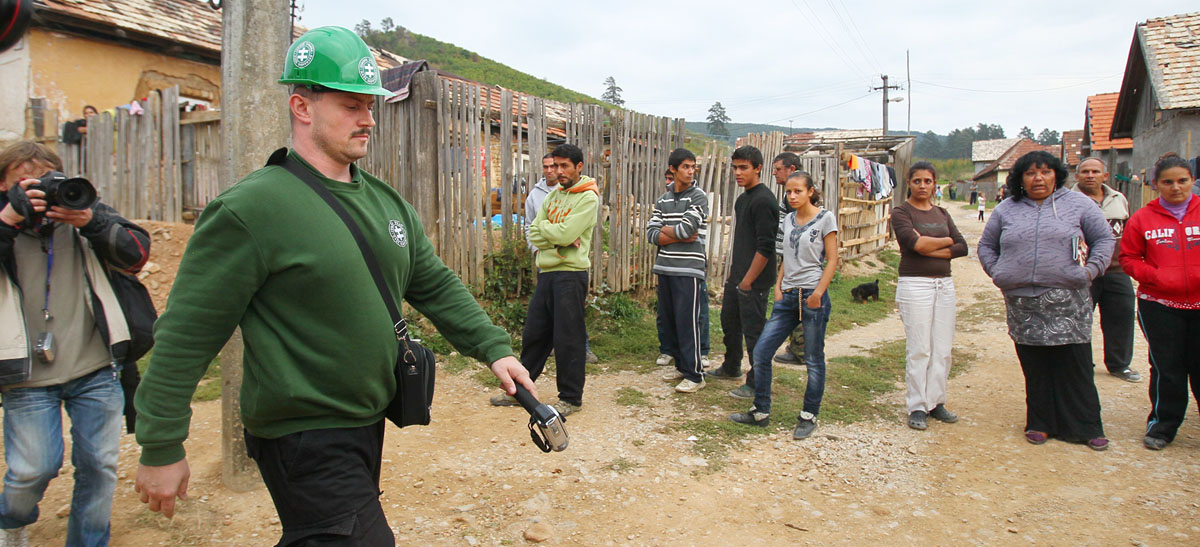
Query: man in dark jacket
x=70 y=341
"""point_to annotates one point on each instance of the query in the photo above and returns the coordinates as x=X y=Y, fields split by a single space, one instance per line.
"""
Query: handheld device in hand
x=546 y=426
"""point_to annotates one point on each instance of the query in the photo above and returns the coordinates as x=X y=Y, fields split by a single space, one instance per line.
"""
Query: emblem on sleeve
x=398 y=233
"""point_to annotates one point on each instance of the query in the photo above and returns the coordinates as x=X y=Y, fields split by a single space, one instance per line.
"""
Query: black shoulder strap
x=280 y=158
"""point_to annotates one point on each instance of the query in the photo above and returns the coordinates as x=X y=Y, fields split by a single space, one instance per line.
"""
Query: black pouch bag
x=140 y=315
x=415 y=366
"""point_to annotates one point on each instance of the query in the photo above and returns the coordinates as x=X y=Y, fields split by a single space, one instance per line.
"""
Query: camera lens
x=77 y=194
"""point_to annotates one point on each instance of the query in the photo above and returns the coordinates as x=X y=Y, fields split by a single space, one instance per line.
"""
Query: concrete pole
x=255 y=35
x=885 y=104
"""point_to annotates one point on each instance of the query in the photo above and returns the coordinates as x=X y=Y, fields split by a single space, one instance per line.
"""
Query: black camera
x=75 y=193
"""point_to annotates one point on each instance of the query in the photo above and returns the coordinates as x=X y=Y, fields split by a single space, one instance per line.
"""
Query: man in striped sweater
x=679 y=227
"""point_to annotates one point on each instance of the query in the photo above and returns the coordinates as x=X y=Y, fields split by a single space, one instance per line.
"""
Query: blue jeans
x=785 y=314
x=33 y=451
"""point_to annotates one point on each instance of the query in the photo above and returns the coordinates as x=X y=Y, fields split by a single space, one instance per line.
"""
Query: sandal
x=1036 y=437
x=1098 y=444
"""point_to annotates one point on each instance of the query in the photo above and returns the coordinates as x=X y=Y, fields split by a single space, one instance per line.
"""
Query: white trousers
x=926 y=307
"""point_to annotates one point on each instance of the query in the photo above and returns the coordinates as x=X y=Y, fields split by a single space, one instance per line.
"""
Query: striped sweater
x=687 y=213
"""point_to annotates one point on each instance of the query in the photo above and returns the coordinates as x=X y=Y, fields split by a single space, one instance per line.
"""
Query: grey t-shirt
x=803 y=249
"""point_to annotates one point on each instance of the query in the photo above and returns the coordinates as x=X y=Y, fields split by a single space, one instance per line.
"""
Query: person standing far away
x=533 y=201
x=1160 y=248
x=1112 y=292
x=65 y=344
x=751 y=270
x=320 y=344
x=562 y=233
x=679 y=228
x=809 y=252
x=784 y=165
x=925 y=295
x=982 y=206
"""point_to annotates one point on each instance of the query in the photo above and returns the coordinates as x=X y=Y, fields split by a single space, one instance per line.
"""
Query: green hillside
x=467 y=64
x=742 y=129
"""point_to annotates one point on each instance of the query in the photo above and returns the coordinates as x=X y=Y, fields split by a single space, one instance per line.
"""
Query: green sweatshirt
x=567 y=214
x=269 y=255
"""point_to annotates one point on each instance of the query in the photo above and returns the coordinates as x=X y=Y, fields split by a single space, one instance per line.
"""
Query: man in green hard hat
x=269 y=255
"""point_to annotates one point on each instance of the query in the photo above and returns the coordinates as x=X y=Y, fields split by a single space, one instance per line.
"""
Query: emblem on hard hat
x=303 y=54
x=368 y=71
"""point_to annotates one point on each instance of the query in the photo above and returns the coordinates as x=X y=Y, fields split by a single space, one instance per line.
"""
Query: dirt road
x=473 y=477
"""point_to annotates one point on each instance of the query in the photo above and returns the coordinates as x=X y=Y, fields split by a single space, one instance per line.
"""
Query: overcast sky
x=807 y=63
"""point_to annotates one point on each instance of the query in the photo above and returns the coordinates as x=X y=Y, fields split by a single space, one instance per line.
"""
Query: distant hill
x=468 y=64
x=742 y=129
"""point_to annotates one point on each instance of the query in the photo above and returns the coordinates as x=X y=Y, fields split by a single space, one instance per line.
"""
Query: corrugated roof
x=1172 y=49
x=991 y=150
x=1072 y=142
x=1098 y=123
x=1009 y=158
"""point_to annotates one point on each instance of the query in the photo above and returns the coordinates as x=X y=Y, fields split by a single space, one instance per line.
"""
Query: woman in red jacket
x=1161 y=250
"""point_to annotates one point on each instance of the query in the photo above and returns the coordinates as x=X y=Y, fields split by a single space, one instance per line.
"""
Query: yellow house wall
x=71 y=71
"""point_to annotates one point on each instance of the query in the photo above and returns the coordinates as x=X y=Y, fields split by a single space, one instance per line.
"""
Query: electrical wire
x=821 y=109
x=973 y=90
x=823 y=34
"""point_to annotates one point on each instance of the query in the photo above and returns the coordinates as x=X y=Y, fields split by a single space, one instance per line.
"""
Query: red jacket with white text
x=1163 y=254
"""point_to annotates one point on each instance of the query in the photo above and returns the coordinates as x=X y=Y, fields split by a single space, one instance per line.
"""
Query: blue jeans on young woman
x=33 y=451
x=786 y=313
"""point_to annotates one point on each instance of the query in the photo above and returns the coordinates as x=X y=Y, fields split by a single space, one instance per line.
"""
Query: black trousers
x=1113 y=294
x=555 y=322
x=1060 y=391
x=743 y=314
x=680 y=302
x=325 y=485
x=1174 y=338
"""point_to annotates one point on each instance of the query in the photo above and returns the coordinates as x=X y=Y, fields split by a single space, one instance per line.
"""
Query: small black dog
x=862 y=292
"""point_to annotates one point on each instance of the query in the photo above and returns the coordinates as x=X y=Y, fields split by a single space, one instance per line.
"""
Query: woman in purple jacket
x=1032 y=249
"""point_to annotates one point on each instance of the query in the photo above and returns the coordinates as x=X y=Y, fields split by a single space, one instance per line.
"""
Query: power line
x=860 y=42
x=821 y=33
x=1016 y=90
x=821 y=109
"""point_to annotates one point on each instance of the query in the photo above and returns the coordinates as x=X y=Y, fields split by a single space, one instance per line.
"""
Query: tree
x=612 y=93
x=1026 y=133
x=363 y=28
x=984 y=131
x=387 y=24
x=1048 y=136
x=717 y=118
x=929 y=145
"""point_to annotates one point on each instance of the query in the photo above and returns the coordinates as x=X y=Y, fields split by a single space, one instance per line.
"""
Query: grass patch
x=457 y=364
x=847 y=313
x=623 y=333
x=622 y=465
x=628 y=396
x=987 y=206
x=209 y=388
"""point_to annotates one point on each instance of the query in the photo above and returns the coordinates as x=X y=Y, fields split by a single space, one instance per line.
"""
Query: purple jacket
x=1027 y=248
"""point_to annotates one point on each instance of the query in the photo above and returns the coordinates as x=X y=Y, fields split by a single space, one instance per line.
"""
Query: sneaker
x=688 y=386
x=916 y=420
x=721 y=374
x=672 y=376
x=591 y=357
x=742 y=392
x=14 y=537
x=705 y=364
x=751 y=417
x=1098 y=444
x=1154 y=443
x=786 y=357
x=504 y=399
x=1129 y=375
x=1036 y=437
x=940 y=414
x=805 y=426
x=664 y=360
x=566 y=409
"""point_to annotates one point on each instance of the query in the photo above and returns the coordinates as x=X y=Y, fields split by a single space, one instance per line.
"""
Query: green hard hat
x=333 y=57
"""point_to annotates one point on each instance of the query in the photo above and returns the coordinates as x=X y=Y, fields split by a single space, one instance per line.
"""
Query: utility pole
x=885 y=87
x=255 y=35
x=908 y=76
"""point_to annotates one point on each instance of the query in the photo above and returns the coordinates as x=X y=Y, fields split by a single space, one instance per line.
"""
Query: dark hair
x=568 y=152
x=87 y=106
x=24 y=151
x=1033 y=159
x=1171 y=160
x=679 y=155
x=668 y=173
x=788 y=159
x=921 y=166
x=750 y=154
x=547 y=156
x=810 y=183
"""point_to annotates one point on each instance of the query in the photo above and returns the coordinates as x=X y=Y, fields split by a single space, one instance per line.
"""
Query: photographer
x=71 y=340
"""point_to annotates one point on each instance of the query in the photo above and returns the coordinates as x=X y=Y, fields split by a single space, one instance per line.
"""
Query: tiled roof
x=190 y=22
x=1171 y=46
x=990 y=150
x=1100 y=111
x=1072 y=142
x=1009 y=158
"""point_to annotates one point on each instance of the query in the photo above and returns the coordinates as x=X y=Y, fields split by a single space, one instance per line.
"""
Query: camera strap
x=48 y=243
x=281 y=158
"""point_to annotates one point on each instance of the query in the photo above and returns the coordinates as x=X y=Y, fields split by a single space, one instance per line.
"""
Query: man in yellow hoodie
x=562 y=233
